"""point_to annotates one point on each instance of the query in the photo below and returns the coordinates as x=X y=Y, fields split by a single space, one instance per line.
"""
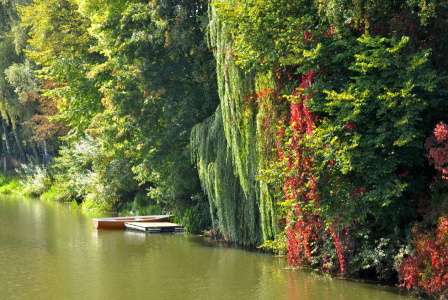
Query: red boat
x=118 y=222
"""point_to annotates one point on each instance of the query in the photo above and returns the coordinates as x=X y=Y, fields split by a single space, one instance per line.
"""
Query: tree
x=133 y=75
x=60 y=45
x=12 y=109
x=159 y=87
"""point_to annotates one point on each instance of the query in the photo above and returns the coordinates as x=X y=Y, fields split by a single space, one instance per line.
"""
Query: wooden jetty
x=155 y=227
x=118 y=222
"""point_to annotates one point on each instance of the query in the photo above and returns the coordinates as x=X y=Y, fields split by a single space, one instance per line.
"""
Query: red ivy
x=304 y=225
x=437 y=146
x=428 y=267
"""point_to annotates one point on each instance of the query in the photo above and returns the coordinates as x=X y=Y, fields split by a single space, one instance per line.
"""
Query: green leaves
x=371 y=126
x=56 y=29
x=268 y=34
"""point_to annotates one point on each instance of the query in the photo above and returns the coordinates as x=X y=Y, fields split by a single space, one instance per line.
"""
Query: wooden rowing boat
x=118 y=222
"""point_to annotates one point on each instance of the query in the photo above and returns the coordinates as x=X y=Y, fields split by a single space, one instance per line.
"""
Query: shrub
x=10 y=185
x=437 y=146
x=56 y=193
x=37 y=180
x=142 y=205
x=427 y=268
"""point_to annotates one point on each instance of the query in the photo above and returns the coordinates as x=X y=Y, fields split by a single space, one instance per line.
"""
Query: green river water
x=51 y=251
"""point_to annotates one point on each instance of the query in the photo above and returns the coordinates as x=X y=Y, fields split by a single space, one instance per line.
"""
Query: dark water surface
x=50 y=251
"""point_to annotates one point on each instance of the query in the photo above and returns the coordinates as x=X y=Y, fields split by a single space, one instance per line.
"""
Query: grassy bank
x=11 y=185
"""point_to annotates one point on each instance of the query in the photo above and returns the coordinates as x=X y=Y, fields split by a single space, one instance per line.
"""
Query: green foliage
x=56 y=192
x=233 y=147
x=155 y=85
x=10 y=108
x=74 y=168
x=277 y=245
x=10 y=185
x=196 y=217
x=375 y=94
x=267 y=34
x=374 y=128
x=20 y=105
x=61 y=45
x=22 y=77
x=136 y=76
x=378 y=255
x=85 y=173
x=141 y=205
x=57 y=30
x=227 y=200
x=96 y=205
x=37 y=180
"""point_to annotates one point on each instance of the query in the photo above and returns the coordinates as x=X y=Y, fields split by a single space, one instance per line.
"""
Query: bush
x=56 y=192
x=427 y=268
x=10 y=185
x=85 y=172
x=142 y=205
x=37 y=180
x=195 y=215
x=94 y=204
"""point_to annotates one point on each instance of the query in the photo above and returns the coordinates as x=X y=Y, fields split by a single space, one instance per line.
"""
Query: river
x=51 y=251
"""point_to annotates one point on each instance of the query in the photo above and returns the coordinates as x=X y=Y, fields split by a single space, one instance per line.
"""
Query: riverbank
x=16 y=185
x=11 y=185
x=66 y=258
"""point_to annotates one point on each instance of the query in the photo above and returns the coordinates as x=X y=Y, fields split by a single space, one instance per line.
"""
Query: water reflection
x=50 y=251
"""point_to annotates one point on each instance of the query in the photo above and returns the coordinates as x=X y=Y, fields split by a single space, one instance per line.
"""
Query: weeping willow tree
x=220 y=183
x=232 y=147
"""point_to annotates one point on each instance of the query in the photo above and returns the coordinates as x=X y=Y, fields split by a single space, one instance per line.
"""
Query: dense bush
x=36 y=179
x=425 y=269
x=10 y=185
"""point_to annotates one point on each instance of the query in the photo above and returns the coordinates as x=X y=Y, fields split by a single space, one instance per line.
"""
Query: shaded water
x=49 y=251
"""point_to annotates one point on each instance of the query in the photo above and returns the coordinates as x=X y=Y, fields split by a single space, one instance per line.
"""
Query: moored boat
x=118 y=222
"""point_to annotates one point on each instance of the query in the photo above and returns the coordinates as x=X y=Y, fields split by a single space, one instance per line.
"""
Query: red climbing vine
x=437 y=146
x=427 y=268
x=304 y=224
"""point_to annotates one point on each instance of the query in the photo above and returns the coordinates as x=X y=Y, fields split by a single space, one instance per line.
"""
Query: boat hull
x=118 y=222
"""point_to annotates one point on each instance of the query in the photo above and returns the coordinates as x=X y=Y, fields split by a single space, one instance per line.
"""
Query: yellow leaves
x=334 y=140
x=400 y=45
x=402 y=122
x=56 y=29
x=346 y=101
x=400 y=143
x=335 y=96
x=97 y=69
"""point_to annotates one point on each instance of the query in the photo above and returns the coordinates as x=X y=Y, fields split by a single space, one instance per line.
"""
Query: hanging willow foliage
x=269 y=110
x=215 y=168
x=231 y=148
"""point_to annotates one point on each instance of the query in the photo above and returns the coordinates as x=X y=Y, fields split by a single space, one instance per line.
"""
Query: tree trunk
x=5 y=132
x=7 y=144
x=36 y=154
x=19 y=144
x=46 y=155
x=1 y=144
x=17 y=138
